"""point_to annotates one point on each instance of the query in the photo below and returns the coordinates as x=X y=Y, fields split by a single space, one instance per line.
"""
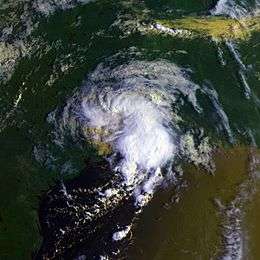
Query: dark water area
x=66 y=229
x=112 y=126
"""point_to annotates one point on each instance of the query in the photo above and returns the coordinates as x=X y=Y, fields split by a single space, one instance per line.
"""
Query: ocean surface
x=125 y=137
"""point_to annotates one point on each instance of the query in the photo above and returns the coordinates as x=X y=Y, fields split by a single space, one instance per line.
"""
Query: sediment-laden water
x=129 y=130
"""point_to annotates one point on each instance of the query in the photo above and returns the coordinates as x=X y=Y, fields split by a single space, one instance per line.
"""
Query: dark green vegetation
x=71 y=43
x=22 y=182
x=180 y=7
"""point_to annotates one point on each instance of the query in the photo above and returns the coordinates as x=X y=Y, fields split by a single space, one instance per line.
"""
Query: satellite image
x=130 y=129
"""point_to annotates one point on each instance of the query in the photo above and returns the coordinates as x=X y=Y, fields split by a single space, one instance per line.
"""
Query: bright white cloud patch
x=138 y=131
x=130 y=109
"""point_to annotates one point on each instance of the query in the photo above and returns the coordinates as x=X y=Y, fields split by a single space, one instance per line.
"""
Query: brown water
x=188 y=224
x=252 y=222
